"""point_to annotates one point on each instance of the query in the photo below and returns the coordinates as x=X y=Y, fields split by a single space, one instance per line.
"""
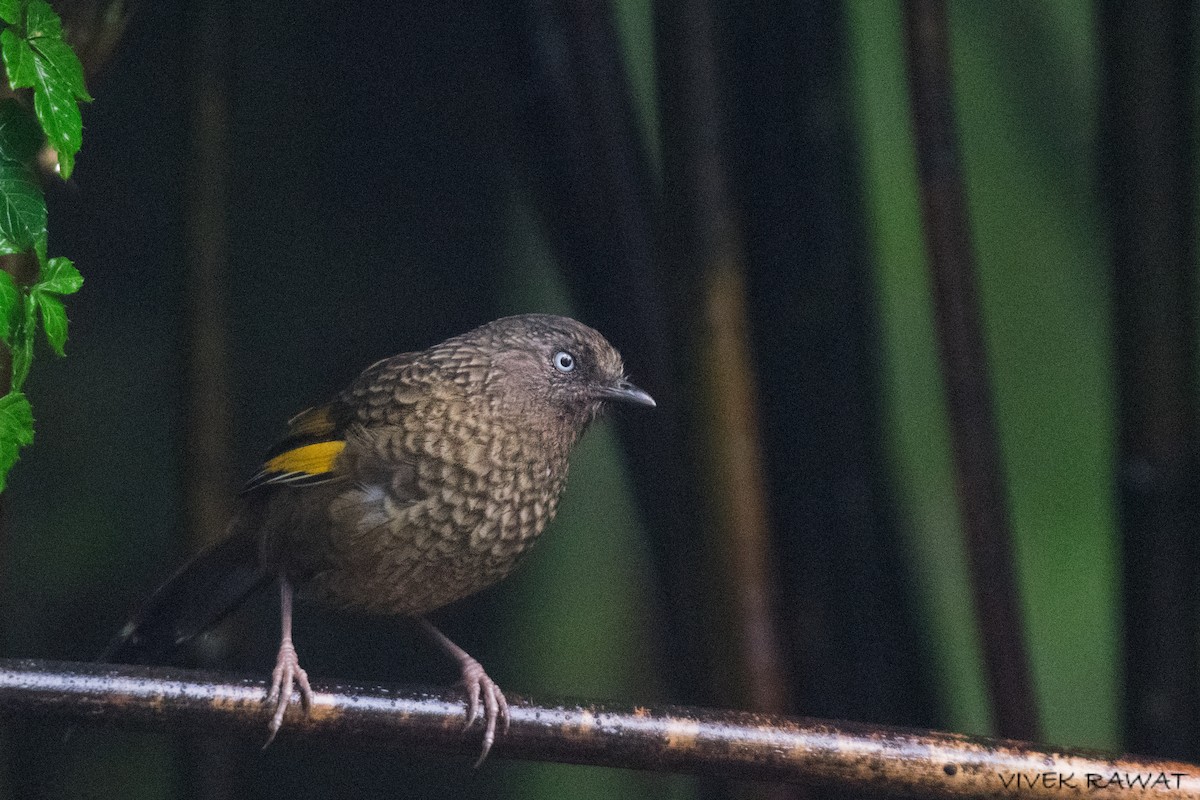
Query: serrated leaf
x=10 y=301
x=44 y=62
x=56 y=109
x=16 y=431
x=16 y=418
x=18 y=60
x=22 y=345
x=40 y=20
x=10 y=11
x=20 y=136
x=54 y=320
x=58 y=275
x=60 y=62
x=22 y=208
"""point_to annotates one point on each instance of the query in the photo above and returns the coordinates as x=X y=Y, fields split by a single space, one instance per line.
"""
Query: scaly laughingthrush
x=421 y=483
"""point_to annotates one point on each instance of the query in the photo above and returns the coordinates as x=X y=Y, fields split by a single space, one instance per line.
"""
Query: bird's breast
x=477 y=494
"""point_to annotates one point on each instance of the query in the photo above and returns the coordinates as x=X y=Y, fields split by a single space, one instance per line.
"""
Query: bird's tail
x=202 y=593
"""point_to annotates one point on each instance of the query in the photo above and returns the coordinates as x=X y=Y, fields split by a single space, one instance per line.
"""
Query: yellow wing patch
x=305 y=465
x=312 y=459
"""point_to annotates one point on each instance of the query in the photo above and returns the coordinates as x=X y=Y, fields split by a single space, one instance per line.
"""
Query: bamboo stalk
x=214 y=768
x=978 y=462
x=706 y=258
x=1147 y=124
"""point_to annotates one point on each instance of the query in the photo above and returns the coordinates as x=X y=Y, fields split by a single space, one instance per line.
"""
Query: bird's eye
x=564 y=362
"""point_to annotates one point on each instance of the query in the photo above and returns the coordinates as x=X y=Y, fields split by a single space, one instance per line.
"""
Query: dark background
x=398 y=173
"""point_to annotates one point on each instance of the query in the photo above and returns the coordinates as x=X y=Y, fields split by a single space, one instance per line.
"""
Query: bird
x=424 y=481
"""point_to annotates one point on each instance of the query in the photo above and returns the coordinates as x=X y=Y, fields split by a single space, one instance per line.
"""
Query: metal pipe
x=735 y=744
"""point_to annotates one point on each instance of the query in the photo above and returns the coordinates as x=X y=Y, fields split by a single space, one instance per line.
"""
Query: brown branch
x=736 y=744
x=979 y=465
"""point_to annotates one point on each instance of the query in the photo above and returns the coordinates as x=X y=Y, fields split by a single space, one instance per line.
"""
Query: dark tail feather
x=202 y=593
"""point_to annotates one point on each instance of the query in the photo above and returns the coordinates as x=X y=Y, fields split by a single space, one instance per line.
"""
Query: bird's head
x=552 y=363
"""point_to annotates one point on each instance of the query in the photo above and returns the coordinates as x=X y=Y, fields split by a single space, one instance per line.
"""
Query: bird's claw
x=287 y=675
x=483 y=691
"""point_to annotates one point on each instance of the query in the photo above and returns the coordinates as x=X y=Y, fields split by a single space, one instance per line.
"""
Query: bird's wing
x=307 y=454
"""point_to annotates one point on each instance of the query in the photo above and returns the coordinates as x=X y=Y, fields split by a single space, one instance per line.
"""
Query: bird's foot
x=288 y=674
x=495 y=708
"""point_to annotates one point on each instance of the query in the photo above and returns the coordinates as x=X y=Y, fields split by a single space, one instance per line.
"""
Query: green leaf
x=60 y=62
x=59 y=276
x=56 y=109
x=44 y=62
x=20 y=136
x=54 y=320
x=10 y=11
x=16 y=431
x=18 y=60
x=16 y=418
x=22 y=208
x=22 y=345
x=10 y=301
x=40 y=20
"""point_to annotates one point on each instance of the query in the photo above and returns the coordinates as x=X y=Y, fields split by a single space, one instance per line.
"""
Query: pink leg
x=288 y=673
x=477 y=683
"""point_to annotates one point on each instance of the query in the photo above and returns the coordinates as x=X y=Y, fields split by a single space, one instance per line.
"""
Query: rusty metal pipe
x=701 y=741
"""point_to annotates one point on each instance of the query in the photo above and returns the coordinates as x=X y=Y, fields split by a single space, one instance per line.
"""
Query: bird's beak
x=625 y=392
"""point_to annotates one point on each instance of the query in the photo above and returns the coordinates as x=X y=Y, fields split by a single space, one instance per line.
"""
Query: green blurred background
x=394 y=179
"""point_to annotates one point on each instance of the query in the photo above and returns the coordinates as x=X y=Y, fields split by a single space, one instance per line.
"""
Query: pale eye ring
x=564 y=361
